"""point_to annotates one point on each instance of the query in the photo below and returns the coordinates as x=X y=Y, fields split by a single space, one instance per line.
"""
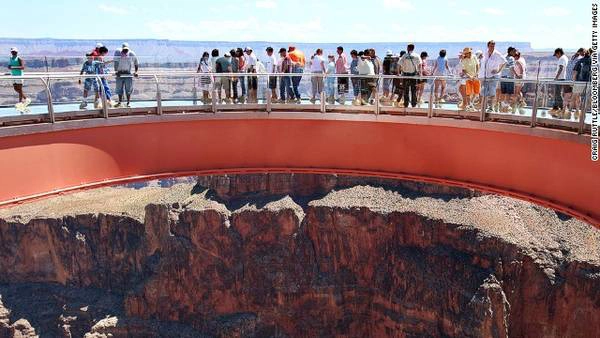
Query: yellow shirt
x=470 y=66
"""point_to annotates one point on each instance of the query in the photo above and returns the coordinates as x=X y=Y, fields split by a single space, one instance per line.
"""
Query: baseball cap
x=247 y=49
x=99 y=45
x=125 y=45
x=389 y=52
x=478 y=52
x=227 y=55
x=14 y=49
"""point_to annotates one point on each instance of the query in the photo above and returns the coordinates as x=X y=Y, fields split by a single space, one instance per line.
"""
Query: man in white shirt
x=125 y=60
x=271 y=68
x=317 y=66
x=366 y=84
x=251 y=61
x=492 y=64
x=411 y=66
x=561 y=75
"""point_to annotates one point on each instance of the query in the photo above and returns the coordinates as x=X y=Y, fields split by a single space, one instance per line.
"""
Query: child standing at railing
x=330 y=83
x=90 y=67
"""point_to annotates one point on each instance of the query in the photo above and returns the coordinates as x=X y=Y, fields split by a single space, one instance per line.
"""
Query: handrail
x=194 y=74
x=324 y=106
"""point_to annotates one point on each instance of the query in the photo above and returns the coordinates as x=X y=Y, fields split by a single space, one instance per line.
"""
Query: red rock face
x=281 y=269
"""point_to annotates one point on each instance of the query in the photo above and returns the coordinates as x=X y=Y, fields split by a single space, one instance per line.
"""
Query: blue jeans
x=296 y=80
x=284 y=87
x=558 y=99
x=107 y=91
x=355 y=86
x=243 y=85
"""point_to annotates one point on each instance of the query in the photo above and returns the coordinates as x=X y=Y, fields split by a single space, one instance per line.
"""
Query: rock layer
x=296 y=255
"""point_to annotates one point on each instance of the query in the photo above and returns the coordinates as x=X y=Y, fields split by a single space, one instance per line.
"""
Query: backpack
x=585 y=69
x=219 y=68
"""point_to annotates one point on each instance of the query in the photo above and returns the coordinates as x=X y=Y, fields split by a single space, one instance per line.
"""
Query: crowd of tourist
x=483 y=76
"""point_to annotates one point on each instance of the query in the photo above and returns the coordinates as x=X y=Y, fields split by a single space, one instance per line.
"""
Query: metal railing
x=212 y=87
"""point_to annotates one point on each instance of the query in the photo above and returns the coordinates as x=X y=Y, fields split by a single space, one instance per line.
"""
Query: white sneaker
x=27 y=102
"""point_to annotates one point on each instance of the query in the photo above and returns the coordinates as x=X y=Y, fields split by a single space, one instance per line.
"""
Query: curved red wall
x=552 y=171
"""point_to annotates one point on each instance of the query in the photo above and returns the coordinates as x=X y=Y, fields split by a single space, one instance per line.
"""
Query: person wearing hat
x=469 y=72
x=96 y=52
x=387 y=70
x=16 y=66
x=125 y=60
x=251 y=66
x=225 y=65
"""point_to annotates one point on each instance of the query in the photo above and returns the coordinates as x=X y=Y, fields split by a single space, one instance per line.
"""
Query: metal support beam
x=158 y=97
x=49 y=98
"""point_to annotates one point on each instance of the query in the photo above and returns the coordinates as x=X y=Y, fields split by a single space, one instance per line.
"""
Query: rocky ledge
x=283 y=255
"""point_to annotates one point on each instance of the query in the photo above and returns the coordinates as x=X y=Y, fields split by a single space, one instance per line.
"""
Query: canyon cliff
x=287 y=255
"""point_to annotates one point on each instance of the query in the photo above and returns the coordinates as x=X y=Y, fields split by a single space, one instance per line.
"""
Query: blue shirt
x=354 y=66
x=90 y=67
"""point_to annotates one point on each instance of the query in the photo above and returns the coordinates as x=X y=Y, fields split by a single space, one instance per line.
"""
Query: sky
x=546 y=24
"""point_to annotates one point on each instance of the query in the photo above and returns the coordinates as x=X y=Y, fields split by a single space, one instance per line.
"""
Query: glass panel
x=184 y=90
x=33 y=89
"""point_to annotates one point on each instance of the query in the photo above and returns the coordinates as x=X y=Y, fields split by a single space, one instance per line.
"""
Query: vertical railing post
x=158 y=97
x=583 y=106
x=322 y=96
x=195 y=93
x=269 y=96
x=215 y=96
x=534 y=108
x=103 y=97
x=484 y=101
x=377 y=108
x=49 y=101
x=430 y=110
x=545 y=97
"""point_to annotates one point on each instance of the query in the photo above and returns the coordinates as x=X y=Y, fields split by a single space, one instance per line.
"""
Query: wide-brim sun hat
x=14 y=49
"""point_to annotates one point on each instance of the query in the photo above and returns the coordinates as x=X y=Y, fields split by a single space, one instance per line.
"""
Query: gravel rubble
x=518 y=222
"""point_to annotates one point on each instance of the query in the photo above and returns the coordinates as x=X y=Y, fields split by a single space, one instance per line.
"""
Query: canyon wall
x=283 y=255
